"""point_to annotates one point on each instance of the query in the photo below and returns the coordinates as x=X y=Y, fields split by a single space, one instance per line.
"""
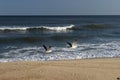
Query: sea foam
x=84 y=50
x=57 y=28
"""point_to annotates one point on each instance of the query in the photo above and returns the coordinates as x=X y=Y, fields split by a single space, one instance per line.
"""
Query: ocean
x=22 y=37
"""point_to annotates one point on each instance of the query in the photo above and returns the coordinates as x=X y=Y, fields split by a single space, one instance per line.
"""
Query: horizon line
x=61 y=15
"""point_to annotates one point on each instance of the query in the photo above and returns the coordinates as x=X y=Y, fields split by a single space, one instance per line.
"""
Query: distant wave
x=15 y=28
x=96 y=26
x=50 y=28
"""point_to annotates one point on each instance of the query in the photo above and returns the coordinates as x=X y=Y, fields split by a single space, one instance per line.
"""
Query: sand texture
x=89 y=69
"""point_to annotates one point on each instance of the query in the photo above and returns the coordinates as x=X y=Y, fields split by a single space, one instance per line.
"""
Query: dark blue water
x=22 y=37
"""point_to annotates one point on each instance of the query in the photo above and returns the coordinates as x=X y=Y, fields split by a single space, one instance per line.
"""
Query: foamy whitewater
x=111 y=49
x=57 y=28
x=21 y=37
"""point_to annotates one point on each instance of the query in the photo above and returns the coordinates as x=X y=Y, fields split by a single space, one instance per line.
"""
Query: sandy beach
x=87 y=69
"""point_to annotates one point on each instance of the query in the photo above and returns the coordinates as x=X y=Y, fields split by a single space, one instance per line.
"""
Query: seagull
x=73 y=44
x=47 y=49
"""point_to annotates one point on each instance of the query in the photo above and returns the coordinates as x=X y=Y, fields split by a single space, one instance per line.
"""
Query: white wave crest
x=59 y=28
x=13 y=28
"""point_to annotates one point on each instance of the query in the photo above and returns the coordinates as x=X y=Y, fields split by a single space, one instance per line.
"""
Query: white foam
x=13 y=28
x=57 y=28
x=111 y=49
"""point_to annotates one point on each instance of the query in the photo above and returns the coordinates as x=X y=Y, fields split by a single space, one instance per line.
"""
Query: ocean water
x=22 y=37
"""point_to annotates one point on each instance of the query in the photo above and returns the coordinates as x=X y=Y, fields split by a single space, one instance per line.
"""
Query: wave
x=57 y=28
x=21 y=39
x=12 y=28
x=16 y=28
x=29 y=39
x=96 y=26
x=84 y=50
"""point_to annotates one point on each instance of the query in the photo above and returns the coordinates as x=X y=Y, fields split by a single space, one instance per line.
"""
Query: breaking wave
x=16 y=28
x=55 y=28
x=84 y=50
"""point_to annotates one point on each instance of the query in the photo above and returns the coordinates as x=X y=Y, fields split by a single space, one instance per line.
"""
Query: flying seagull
x=47 y=49
x=73 y=44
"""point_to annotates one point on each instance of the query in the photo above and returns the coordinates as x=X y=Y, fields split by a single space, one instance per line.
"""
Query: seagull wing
x=69 y=44
x=45 y=47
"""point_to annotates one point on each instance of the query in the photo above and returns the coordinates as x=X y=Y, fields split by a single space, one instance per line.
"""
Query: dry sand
x=89 y=69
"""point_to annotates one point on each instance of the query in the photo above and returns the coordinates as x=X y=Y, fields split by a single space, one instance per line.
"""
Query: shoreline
x=79 y=69
x=63 y=59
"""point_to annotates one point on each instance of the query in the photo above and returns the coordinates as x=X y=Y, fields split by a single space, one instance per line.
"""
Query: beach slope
x=88 y=69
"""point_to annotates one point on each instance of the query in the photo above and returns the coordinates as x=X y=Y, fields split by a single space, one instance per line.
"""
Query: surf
x=25 y=28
